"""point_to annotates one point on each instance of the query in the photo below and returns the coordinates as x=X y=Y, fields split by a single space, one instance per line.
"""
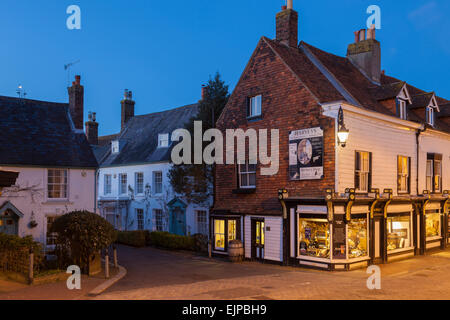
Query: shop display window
x=314 y=238
x=219 y=234
x=357 y=238
x=433 y=224
x=231 y=230
x=399 y=232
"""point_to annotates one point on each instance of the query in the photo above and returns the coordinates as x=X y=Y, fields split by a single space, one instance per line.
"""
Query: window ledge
x=254 y=118
x=57 y=202
x=244 y=191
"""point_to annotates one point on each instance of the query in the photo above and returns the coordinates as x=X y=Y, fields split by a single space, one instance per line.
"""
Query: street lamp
x=342 y=130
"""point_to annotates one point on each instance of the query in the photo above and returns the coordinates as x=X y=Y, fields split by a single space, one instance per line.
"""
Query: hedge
x=132 y=238
x=14 y=253
x=170 y=241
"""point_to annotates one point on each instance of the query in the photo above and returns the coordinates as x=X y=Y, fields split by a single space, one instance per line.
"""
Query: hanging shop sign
x=306 y=154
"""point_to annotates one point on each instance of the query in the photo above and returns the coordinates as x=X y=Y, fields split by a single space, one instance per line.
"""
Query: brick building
x=364 y=158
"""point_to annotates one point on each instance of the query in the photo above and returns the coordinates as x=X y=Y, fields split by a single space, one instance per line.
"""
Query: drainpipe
x=282 y=196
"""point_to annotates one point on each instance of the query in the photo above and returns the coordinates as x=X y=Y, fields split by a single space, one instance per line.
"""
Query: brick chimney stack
x=287 y=25
x=365 y=54
x=76 y=102
x=92 y=129
x=127 y=108
x=204 y=91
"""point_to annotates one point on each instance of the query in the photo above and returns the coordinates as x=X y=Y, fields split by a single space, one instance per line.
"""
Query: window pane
x=433 y=224
x=231 y=230
x=219 y=234
x=252 y=179
x=314 y=238
x=357 y=238
x=399 y=232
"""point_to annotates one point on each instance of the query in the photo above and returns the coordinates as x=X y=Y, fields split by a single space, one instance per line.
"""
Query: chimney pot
x=362 y=35
x=283 y=8
x=290 y=4
x=356 y=36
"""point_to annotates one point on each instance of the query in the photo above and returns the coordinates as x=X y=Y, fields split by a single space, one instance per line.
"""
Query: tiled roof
x=40 y=133
x=138 y=140
x=331 y=78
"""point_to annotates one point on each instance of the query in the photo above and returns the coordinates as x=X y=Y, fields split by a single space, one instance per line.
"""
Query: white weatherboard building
x=134 y=189
x=53 y=162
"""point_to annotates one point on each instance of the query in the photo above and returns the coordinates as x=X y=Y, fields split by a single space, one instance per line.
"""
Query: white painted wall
x=273 y=246
x=156 y=201
x=81 y=196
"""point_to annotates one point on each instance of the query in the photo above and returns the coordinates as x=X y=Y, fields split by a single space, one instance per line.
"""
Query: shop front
x=224 y=228
x=433 y=230
x=333 y=237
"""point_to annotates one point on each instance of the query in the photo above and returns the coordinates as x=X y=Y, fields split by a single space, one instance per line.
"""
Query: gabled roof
x=331 y=78
x=41 y=133
x=138 y=141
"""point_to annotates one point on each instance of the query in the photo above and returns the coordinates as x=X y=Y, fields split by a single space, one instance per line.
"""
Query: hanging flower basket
x=33 y=224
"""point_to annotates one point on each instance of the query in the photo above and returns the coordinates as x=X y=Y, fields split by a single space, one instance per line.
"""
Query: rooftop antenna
x=67 y=67
x=21 y=92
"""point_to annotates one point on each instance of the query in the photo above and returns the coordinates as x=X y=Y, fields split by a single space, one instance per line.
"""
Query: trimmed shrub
x=132 y=238
x=200 y=242
x=82 y=234
x=170 y=241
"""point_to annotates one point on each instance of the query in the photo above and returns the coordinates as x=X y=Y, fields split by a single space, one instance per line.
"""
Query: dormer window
x=430 y=116
x=402 y=111
x=163 y=140
x=115 y=147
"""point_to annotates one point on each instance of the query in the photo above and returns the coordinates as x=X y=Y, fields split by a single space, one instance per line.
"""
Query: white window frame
x=115 y=147
x=363 y=173
x=61 y=184
x=246 y=173
x=255 y=107
x=107 y=184
x=429 y=176
x=402 y=110
x=155 y=182
x=50 y=235
x=140 y=218
x=139 y=182
x=159 y=220
x=123 y=184
x=163 y=140
x=202 y=221
x=404 y=175
x=430 y=115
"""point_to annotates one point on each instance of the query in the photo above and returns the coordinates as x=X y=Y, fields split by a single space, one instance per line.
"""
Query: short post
x=116 y=263
x=107 y=264
x=209 y=249
x=31 y=267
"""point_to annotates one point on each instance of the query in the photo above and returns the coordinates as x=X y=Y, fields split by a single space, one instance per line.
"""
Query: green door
x=8 y=225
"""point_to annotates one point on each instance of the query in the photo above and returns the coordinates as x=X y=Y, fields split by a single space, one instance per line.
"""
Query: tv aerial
x=21 y=91
x=67 y=67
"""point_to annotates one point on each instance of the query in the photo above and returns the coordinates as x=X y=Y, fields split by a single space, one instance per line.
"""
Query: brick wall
x=286 y=105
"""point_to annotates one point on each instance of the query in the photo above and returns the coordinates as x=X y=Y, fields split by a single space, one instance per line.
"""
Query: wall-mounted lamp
x=342 y=130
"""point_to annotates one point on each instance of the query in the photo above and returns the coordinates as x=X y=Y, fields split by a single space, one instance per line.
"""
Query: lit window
x=362 y=171
x=403 y=165
x=232 y=230
x=140 y=219
x=314 y=238
x=433 y=224
x=247 y=176
x=254 y=108
x=57 y=184
x=430 y=116
x=163 y=140
x=219 y=235
x=434 y=173
x=357 y=238
x=157 y=182
x=399 y=232
x=402 y=109
x=139 y=182
x=122 y=183
x=107 y=184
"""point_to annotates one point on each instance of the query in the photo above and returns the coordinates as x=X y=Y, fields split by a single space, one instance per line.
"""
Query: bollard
x=107 y=264
x=116 y=263
x=31 y=267
x=209 y=249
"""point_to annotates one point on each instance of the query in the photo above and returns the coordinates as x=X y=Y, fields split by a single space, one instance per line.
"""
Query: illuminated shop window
x=357 y=238
x=231 y=230
x=433 y=224
x=314 y=238
x=399 y=232
x=219 y=234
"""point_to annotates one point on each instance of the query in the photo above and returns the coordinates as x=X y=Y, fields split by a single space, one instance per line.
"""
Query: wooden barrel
x=235 y=251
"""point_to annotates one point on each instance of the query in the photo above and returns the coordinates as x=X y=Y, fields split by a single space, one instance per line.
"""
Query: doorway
x=258 y=239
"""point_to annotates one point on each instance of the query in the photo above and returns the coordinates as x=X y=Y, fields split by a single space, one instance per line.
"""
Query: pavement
x=164 y=275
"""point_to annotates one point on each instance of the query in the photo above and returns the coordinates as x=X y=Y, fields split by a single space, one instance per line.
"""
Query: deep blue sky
x=165 y=50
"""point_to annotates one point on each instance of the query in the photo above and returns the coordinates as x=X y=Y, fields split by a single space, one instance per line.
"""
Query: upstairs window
x=434 y=173
x=157 y=182
x=247 y=176
x=254 y=106
x=139 y=182
x=402 y=111
x=122 y=183
x=115 y=147
x=430 y=116
x=403 y=174
x=107 y=184
x=163 y=140
x=363 y=171
x=57 y=183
